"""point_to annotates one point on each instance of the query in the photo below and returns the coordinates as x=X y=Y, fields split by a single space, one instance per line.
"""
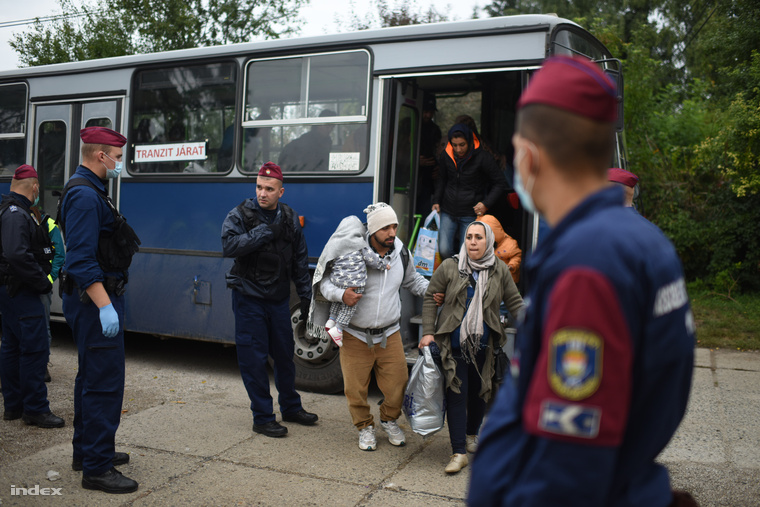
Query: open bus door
x=399 y=158
x=400 y=152
x=57 y=150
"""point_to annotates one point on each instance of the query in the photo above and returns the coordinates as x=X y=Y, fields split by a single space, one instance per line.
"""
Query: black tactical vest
x=41 y=245
x=115 y=247
x=266 y=266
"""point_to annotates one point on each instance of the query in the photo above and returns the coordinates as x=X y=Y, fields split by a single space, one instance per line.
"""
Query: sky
x=320 y=14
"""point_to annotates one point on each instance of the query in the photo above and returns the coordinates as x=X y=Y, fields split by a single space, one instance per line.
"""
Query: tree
x=692 y=77
x=402 y=13
x=122 y=27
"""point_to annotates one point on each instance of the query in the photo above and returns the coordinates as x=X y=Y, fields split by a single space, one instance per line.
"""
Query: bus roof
x=452 y=29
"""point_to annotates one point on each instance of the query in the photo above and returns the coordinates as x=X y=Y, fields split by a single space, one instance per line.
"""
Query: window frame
x=133 y=113
x=345 y=120
x=337 y=120
x=14 y=136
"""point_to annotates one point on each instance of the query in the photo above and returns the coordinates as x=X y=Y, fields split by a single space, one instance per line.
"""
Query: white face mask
x=114 y=173
x=524 y=194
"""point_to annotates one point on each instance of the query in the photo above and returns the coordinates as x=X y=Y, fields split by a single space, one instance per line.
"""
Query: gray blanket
x=348 y=237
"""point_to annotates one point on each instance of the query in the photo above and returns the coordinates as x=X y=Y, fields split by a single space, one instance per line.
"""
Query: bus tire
x=324 y=378
x=317 y=361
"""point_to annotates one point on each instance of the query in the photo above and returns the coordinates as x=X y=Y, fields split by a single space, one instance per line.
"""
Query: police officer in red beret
x=264 y=237
x=25 y=255
x=99 y=246
x=605 y=349
x=627 y=181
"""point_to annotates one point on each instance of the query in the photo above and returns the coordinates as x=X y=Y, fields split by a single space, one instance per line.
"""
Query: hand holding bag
x=424 y=400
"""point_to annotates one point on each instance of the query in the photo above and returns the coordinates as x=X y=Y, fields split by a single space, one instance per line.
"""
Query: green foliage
x=692 y=120
x=725 y=323
x=401 y=13
x=122 y=27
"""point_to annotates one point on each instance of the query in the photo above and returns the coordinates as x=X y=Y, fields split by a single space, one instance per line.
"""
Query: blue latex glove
x=109 y=320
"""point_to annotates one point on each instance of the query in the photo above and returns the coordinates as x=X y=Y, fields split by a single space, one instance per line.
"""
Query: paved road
x=187 y=426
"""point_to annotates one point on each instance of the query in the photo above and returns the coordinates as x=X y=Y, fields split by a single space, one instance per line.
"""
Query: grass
x=726 y=323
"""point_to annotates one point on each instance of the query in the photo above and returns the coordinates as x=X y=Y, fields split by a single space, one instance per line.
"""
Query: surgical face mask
x=525 y=199
x=114 y=173
x=36 y=199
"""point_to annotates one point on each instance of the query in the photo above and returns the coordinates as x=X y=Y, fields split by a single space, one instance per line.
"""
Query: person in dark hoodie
x=469 y=184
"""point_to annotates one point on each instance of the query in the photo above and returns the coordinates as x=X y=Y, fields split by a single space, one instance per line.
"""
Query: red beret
x=622 y=176
x=102 y=135
x=574 y=84
x=271 y=170
x=25 y=171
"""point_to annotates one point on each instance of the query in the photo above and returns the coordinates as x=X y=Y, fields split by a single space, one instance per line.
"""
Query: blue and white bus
x=200 y=122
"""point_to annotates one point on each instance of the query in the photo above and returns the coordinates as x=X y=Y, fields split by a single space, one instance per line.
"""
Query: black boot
x=49 y=420
x=271 y=429
x=111 y=482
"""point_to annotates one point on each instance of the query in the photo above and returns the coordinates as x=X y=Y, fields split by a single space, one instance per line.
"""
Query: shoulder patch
x=571 y=419
x=13 y=208
x=575 y=363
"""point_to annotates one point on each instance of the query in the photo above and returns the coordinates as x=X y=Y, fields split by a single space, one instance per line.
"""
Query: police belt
x=372 y=331
x=113 y=286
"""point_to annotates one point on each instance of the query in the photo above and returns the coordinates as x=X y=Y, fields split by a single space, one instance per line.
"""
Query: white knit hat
x=379 y=215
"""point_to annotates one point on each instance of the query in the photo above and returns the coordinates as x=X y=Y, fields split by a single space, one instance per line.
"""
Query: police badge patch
x=575 y=363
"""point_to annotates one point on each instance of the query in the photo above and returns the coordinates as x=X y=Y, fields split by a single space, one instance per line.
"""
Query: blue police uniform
x=24 y=350
x=260 y=302
x=99 y=385
x=605 y=358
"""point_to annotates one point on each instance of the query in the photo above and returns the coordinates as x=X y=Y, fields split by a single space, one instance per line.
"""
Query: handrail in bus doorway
x=417 y=219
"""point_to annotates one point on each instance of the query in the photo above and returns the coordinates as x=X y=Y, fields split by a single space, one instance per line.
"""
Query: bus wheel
x=317 y=360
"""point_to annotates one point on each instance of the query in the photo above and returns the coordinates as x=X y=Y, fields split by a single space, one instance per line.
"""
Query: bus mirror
x=617 y=78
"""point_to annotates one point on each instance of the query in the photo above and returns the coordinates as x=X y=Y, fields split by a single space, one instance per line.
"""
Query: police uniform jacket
x=19 y=232
x=85 y=216
x=605 y=357
x=237 y=241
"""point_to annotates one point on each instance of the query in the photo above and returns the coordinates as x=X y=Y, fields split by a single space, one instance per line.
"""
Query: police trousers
x=24 y=353
x=262 y=328
x=99 y=384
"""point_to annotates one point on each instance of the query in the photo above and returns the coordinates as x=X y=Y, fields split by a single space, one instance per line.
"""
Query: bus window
x=99 y=122
x=308 y=114
x=51 y=161
x=182 y=119
x=565 y=40
x=12 y=127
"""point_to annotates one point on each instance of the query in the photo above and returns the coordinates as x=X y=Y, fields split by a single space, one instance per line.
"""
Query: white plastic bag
x=425 y=400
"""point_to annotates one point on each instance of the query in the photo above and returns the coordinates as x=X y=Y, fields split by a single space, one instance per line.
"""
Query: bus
x=200 y=122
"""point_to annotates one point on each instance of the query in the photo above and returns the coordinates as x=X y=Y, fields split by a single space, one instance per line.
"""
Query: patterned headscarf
x=472 y=325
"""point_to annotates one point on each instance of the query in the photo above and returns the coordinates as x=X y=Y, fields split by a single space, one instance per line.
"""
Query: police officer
x=93 y=280
x=265 y=238
x=606 y=347
x=59 y=255
x=24 y=270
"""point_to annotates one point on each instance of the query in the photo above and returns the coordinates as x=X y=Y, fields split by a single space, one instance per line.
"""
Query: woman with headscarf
x=469 y=184
x=468 y=331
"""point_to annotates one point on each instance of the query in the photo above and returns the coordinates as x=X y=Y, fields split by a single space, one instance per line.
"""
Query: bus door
x=402 y=117
x=57 y=149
